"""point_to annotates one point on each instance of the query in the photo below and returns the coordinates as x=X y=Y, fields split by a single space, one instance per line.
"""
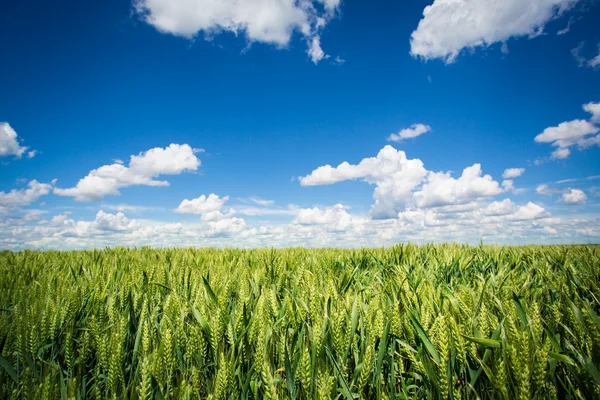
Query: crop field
x=431 y=322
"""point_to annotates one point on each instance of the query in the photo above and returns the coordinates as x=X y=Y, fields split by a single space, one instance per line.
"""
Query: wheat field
x=429 y=322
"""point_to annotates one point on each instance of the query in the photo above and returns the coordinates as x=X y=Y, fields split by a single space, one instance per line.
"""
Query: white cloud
x=498 y=222
x=112 y=222
x=9 y=143
x=441 y=189
x=211 y=209
x=267 y=21
x=529 y=212
x=22 y=197
x=315 y=51
x=508 y=185
x=568 y=196
x=116 y=229
x=397 y=181
x=20 y=216
x=202 y=205
x=390 y=171
x=142 y=169
x=449 y=26
x=457 y=208
x=226 y=226
x=409 y=133
x=503 y=207
x=61 y=226
x=560 y=154
x=574 y=197
x=580 y=133
x=543 y=189
x=419 y=219
x=336 y=217
x=493 y=217
x=567 y=134
x=513 y=173
x=507 y=210
x=594 y=109
x=331 y=4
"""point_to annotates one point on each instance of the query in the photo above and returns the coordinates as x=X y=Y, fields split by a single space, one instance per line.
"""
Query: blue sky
x=258 y=98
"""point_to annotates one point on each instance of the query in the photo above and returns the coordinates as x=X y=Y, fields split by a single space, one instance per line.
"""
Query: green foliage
x=443 y=321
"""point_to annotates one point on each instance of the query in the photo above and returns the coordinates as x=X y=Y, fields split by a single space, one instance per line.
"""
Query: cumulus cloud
x=574 y=197
x=211 y=208
x=449 y=26
x=202 y=205
x=226 y=226
x=392 y=173
x=578 y=133
x=409 y=133
x=104 y=223
x=513 y=173
x=528 y=212
x=142 y=170
x=268 y=21
x=507 y=210
x=594 y=109
x=494 y=216
x=503 y=207
x=442 y=189
x=22 y=197
x=112 y=222
x=9 y=143
x=567 y=134
x=398 y=178
x=568 y=196
x=400 y=182
x=220 y=221
x=336 y=217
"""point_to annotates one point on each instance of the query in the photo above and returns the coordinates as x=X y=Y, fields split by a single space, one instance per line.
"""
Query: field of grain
x=438 y=321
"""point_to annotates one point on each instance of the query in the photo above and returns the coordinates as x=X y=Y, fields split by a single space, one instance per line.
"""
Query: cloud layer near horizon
x=411 y=203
